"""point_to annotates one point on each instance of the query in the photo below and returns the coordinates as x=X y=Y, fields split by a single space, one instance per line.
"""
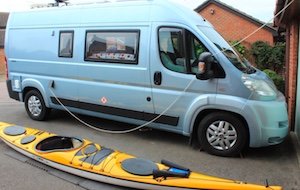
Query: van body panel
x=271 y=121
x=67 y=18
x=264 y=122
x=174 y=83
x=118 y=85
x=135 y=91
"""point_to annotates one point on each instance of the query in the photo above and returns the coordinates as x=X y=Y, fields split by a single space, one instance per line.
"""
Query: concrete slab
x=66 y=176
x=82 y=182
x=38 y=165
x=296 y=146
x=15 y=155
x=19 y=173
x=93 y=185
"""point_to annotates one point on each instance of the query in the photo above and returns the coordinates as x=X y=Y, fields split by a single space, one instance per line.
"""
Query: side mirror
x=204 y=66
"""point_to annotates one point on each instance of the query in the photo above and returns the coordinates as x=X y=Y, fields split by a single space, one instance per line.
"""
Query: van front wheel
x=222 y=134
x=35 y=105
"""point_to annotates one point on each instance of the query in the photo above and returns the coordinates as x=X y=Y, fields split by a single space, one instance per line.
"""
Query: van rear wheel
x=35 y=106
x=222 y=134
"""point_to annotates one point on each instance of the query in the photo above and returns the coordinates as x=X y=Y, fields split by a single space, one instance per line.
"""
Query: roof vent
x=57 y=3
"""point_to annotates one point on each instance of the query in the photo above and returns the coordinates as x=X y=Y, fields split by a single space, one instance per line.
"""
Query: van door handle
x=157 y=78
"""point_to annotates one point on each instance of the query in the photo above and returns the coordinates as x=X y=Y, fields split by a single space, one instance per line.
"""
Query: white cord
x=277 y=14
x=123 y=131
x=178 y=97
x=283 y=9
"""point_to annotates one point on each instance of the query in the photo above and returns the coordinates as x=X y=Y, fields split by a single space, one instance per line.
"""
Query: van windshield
x=240 y=63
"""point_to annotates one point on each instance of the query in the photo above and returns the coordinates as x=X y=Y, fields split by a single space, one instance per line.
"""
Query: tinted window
x=174 y=53
x=180 y=50
x=195 y=49
x=171 y=49
x=66 y=44
x=238 y=61
x=112 y=46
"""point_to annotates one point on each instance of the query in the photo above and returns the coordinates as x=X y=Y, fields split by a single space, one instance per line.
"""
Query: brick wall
x=233 y=27
x=292 y=53
x=2 y=64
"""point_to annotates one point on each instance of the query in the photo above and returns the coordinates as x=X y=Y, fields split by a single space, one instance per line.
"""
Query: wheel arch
x=203 y=113
x=32 y=84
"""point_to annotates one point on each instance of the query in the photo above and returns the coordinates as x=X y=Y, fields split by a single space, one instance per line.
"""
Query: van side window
x=112 y=46
x=171 y=48
x=66 y=44
x=195 y=49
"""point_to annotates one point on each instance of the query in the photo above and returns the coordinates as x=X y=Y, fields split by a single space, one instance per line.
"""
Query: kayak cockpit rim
x=58 y=144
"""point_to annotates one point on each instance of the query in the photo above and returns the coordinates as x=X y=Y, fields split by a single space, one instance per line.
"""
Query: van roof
x=127 y=12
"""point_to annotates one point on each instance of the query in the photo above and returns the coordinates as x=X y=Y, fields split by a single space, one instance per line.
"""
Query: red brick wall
x=2 y=64
x=291 y=82
x=233 y=27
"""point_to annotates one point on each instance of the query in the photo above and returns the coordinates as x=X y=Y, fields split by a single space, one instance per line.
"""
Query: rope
x=277 y=14
x=123 y=131
x=175 y=101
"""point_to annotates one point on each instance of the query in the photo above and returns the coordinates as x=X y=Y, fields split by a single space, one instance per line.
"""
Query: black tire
x=222 y=134
x=35 y=106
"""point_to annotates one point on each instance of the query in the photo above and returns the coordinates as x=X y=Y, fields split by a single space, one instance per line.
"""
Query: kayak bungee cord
x=178 y=97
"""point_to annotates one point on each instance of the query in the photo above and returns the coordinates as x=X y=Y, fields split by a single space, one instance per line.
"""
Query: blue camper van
x=129 y=61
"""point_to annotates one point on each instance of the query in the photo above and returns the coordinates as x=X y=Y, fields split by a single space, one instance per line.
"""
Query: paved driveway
x=278 y=163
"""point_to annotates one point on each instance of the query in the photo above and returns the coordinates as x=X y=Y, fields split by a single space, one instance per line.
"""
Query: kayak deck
x=87 y=159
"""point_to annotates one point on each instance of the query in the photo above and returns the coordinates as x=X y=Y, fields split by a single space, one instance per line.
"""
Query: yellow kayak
x=90 y=160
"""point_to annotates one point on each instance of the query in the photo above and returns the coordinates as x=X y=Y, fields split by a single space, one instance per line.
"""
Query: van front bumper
x=269 y=122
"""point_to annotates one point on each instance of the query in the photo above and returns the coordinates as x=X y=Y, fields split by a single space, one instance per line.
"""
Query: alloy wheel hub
x=34 y=106
x=221 y=135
